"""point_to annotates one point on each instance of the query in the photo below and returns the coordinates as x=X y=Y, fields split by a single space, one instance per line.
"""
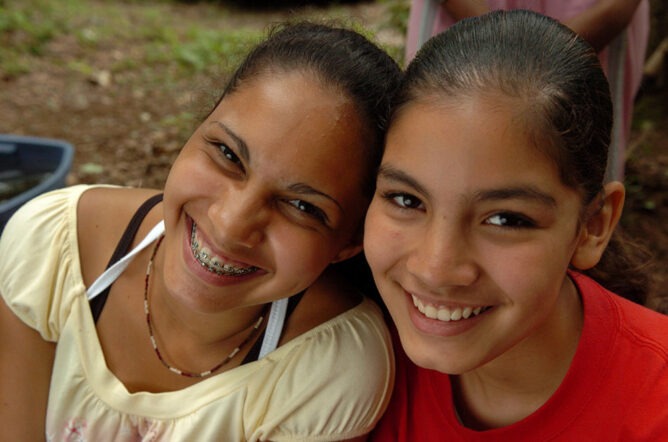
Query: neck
x=197 y=328
x=517 y=383
x=190 y=339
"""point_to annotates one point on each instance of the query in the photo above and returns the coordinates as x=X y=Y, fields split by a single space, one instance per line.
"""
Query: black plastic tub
x=30 y=166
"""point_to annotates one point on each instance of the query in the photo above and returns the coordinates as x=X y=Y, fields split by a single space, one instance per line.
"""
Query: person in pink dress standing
x=617 y=29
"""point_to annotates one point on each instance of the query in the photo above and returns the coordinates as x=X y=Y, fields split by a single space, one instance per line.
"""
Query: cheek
x=532 y=273
x=382 y=241
x=180 y=177
x=300 y=254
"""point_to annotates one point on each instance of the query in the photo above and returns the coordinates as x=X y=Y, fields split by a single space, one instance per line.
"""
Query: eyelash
x=309 y=210
x=410 y=202
x=511 y=220
x=229 y=155
x=506 y=220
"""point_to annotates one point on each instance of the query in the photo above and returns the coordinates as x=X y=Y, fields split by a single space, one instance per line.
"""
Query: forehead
x=289 y=106
x=483 y=140
x=296 y=129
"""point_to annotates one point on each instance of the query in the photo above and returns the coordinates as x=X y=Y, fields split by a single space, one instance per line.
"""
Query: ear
x=353 y=248
x=603 y=216
x=347 y=253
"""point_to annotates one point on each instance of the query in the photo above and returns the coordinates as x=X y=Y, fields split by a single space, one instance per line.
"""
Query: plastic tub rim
x=47 y=184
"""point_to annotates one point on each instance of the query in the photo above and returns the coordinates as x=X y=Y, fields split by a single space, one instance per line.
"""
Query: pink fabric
x=630 y=60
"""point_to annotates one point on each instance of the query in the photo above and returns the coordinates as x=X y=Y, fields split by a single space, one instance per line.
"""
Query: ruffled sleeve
x=39 y=261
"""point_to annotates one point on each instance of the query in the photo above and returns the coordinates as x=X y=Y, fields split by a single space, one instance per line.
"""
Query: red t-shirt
x=615 y=390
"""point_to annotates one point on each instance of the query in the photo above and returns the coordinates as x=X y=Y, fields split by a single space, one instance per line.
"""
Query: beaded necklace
x=171 y=368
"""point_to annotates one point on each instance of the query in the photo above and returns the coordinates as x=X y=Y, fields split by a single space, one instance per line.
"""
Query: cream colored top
x=330 y=383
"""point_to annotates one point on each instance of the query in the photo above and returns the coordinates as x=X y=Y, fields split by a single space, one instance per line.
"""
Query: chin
x=430 y=357
x=429 y=363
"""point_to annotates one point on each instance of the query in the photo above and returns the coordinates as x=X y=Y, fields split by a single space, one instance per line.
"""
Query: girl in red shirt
x=490 y=208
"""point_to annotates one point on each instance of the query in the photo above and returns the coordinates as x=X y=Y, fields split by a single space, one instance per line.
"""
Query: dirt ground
x=127 y=126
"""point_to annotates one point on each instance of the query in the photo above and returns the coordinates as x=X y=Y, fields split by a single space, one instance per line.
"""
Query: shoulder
x=103 y=213
x=643 y=327
x=643 y=360
x=632 y=337
x=100 y=201
x=333 y=319
x=41 y=224
x=38 y=251
x=343 y=369
x=359 y=332
x=621 y=363
x=48 y=211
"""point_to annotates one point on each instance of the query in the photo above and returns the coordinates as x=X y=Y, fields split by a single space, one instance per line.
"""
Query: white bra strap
x=274 y=327
x=113 y=272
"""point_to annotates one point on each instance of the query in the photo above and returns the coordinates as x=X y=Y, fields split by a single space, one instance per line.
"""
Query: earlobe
x=353 y=248
x=598 y=226
x=347 y=253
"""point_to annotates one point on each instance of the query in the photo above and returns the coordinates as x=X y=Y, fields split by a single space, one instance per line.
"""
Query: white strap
x=274 y=327
x=112 y=273
x=276 y=316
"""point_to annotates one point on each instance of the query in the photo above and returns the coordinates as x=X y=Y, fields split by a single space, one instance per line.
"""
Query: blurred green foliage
x=398 y=14
x=25 y=29
x=28 y=27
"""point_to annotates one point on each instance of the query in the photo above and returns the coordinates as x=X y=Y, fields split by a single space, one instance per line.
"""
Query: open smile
x=213 y=263
x=448 y=314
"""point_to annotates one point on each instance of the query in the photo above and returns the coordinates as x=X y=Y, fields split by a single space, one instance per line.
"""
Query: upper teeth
x=212 y=262
x=444 y=313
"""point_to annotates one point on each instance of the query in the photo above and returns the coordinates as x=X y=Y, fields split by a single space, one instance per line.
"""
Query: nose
x=442 y=258
x=239 y=217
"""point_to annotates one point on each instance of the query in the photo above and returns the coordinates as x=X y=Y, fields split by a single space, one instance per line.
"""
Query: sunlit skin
x=272 y=181
x=468 y=212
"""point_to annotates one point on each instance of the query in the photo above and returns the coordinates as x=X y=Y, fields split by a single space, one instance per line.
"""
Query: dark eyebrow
x=300 y=188
x=241 y=144
x=521 y=192
x=389 y=173
x=305 y=189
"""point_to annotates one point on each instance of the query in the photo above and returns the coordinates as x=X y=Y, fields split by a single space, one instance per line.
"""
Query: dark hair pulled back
x=340 y=58
x=567 y=108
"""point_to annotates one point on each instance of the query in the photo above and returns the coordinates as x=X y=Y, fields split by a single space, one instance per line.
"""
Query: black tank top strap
x=122 y=248
x=254 y=352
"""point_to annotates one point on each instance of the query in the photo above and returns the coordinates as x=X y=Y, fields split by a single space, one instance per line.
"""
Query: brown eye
x=229 y=154
x=510 y=220
x=404 y=200
x=309 y=209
